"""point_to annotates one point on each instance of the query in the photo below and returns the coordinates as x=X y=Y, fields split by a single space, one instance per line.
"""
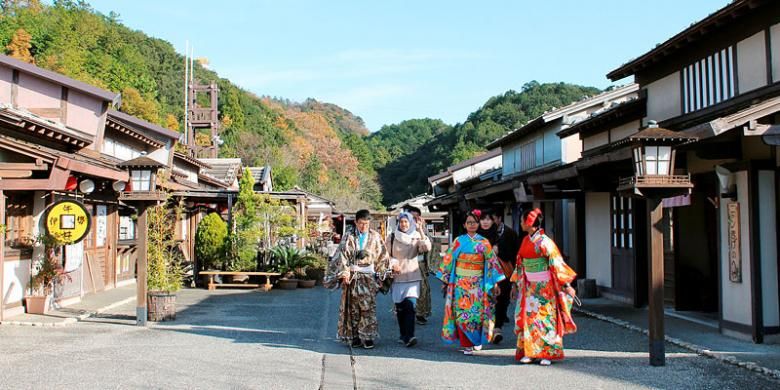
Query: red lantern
x=71 y=184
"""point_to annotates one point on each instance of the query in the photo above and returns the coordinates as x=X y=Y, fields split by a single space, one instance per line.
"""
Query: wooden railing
x=655 y=181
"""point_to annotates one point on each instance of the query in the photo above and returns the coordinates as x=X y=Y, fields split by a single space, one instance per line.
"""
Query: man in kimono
x=359 y=264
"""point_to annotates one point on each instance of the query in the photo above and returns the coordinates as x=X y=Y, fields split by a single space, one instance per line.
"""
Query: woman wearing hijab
x=542 y=314
x=405 y=244
x=470 y=273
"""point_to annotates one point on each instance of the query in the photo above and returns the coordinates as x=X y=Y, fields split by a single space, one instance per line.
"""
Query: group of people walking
x=482 y=272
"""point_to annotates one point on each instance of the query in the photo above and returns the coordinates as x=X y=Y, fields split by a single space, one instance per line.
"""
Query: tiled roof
x=225 y=170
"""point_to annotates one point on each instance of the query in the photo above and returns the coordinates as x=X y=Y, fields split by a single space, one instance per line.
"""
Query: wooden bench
x=266 y=286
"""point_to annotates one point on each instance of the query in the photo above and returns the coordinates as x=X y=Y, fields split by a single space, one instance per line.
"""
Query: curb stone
x=699 y=350
x=69 y=320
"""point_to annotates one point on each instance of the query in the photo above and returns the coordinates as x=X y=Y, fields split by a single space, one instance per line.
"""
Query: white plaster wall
x=595 y=140
x=663 y=98
x=598 y=257
x=84 y=112
x=768 y=223
x=751 y=62
x=736 y=296
x=6 y=79
x=37 y=93
x=774 y=42
x=624 y=130
x=16 y=275
x=571 y=148
x=160 y=155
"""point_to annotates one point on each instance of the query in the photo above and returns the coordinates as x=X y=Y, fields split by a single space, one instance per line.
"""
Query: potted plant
x=165 y=274
x=48 y=272
x=293 y=263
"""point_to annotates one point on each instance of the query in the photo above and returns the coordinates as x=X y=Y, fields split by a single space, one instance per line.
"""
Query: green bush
x=210 y=241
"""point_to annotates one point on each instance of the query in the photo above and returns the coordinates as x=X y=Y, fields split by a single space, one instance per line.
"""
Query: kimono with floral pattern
x=538 y=327
x=469 y=298
x=357 y=312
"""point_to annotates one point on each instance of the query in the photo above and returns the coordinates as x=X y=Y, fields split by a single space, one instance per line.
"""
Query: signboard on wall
x=74 y=256
x=100 y=226
x=68 y=221
x=735 y=256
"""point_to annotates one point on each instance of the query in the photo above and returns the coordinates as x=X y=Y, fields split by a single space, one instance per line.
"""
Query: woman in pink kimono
x=542 y=314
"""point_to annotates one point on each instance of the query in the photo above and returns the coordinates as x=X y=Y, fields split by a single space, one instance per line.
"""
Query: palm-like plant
x=291 y=261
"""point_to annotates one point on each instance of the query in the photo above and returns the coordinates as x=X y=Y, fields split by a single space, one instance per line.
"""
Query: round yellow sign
x=68 y=221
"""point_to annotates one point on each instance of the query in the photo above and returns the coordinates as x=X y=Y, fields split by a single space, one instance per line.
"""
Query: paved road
x=285 y=339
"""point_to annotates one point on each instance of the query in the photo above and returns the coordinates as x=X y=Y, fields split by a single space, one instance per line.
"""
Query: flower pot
x=38 y=304
x=287 y=284
x=306 y=283
x=162 y=306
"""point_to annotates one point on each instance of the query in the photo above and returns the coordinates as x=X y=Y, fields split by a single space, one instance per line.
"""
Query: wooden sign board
x=735 y=255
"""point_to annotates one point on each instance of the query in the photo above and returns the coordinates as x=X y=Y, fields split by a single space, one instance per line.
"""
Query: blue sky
x=388 y=61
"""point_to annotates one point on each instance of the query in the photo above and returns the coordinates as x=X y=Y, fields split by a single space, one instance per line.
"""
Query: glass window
x=664 y=159
x=141 y=180
x=651 y=159
x=126 y=228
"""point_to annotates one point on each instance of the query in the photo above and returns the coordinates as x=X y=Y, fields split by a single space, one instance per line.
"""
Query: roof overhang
x=30 y=123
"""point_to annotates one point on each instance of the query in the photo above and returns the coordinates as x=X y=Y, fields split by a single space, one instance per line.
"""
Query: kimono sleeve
x=493 y=271
x=444 y=270
x=382 y=260
x=338 y=266
x=560 y=270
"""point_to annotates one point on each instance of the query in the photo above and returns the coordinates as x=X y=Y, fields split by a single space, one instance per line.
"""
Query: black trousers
x=404 y=311
x=502 y=302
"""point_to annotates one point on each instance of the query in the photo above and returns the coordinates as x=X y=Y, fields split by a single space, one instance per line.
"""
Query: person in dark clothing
x=506 y=245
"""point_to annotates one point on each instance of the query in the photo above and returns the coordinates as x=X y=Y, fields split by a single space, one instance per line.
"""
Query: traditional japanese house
x=717 y=81
x=52 y=130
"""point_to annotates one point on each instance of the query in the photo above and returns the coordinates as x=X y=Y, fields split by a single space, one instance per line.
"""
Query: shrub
x=210 y=241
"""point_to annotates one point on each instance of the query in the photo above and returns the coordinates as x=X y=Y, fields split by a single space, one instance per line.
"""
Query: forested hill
x=306 y=143
x=406 y=154
x=318 y=146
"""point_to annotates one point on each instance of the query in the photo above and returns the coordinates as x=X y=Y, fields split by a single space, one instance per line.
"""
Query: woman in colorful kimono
x=541 y=316
x=470 y=273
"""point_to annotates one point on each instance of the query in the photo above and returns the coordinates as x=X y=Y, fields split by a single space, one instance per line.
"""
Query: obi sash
x=469 y=264
x=539 y=264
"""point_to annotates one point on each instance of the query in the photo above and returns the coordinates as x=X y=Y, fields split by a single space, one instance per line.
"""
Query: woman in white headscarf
x=404 y=244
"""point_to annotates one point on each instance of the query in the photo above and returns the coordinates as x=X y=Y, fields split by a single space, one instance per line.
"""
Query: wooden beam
x=14 y=173
x=141 y=271
x=55 y=181
x=46 y=112
x=36 y=166
x=655 y=257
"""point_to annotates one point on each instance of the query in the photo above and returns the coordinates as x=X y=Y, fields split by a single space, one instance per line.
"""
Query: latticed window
x=709 y=81
x=18 y=221
x=622 y=222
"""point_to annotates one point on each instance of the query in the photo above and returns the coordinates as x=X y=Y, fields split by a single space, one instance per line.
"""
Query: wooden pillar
x=142 y=243
x=655 y=257
x=580 y=218
x=2 y=256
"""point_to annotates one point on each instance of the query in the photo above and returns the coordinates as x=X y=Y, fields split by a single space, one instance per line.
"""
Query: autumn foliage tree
x=19 y=47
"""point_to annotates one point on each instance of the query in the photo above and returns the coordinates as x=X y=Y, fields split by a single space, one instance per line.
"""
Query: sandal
x=545 y=362
x=525 y=360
